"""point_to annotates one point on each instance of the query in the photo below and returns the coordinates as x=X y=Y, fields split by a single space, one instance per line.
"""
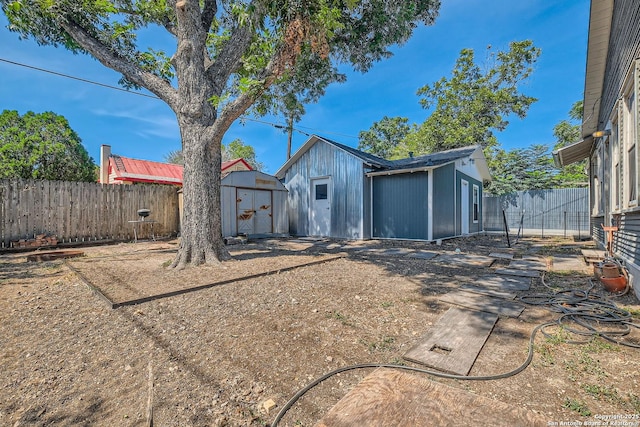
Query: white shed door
x=320 y=220
x=254 y=211
x=464 y=207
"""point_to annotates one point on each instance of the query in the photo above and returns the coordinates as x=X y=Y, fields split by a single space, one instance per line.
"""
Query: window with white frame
x=630 y=126
x=596 y=182
x=623 y=182
x=476 y=203
x=615 y=161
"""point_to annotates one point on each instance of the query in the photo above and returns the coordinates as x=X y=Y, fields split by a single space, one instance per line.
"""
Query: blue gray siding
x=444 y=202
x=347 y=181
x=400 y=206
x=624 y=47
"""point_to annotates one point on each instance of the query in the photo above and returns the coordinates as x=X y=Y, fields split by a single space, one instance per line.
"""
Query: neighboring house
x=610 y=128
x=338 y=191
x=116 y=169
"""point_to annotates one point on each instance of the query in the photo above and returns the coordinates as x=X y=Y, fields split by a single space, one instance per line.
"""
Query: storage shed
x=338 y=191
x=253 y=204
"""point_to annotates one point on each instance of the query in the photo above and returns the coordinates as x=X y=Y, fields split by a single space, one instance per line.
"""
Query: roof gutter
x=399 y=171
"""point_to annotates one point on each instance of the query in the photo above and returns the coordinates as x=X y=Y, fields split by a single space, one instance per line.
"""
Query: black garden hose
x=580 y=306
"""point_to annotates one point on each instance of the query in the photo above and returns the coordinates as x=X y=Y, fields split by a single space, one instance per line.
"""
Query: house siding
x=624 y=47
x=400 y=206
x=347 y=186
x=444 y=201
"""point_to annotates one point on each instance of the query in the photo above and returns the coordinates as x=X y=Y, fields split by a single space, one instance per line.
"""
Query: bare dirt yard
x=229 y=345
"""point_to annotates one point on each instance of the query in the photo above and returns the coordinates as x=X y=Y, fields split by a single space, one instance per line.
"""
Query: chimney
x=105 y=153
x=410 y=153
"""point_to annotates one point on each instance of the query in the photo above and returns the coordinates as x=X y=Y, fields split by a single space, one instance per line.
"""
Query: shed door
x=264 y=209
x=464 y=207
x=254 y=211
x=320 y=220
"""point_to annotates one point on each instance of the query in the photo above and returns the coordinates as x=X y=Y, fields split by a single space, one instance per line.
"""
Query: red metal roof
x=227 y=165
x=133 y=170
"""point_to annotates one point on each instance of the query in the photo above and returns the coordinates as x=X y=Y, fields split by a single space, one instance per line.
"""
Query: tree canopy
x=227 y=56
x=533 y=167
x=567 y=132
x=383 y=137
x=476 y=101
x=42 y=146
x=236 y=149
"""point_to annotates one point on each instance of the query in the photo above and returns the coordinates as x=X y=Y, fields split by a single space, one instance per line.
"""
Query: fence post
x=579 y=226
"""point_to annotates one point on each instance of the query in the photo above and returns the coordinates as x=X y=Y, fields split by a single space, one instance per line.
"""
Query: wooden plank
x=483 y=303
x=528 y=264
x=396 y=398
x=467 y=260
x=520 y=273
x=504 y=283
x=454 y=342
x=592 y=253
x=488 y=291
x=567 y=263
x=501 y=255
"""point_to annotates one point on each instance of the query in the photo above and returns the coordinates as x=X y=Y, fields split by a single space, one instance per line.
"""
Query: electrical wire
x=275 y=125
x=55 y=73
x=582 y=307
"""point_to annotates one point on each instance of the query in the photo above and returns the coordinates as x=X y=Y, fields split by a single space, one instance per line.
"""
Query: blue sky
x=145 y=128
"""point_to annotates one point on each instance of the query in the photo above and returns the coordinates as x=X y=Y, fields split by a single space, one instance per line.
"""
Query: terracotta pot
x=614 y=284
x=597 y=270
x=610 y=270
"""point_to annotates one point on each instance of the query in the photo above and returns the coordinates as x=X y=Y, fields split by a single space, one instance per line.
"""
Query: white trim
x=122 y=175
x=410 y=170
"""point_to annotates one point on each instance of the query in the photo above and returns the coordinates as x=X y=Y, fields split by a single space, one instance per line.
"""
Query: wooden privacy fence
x=83 y=211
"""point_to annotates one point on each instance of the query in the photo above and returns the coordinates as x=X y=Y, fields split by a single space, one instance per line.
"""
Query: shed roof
x=401 y=165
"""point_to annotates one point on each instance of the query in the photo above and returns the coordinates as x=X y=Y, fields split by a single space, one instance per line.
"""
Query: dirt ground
x=221 y=343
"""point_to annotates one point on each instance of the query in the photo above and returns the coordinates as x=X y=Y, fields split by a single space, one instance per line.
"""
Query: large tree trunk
x=201 y=234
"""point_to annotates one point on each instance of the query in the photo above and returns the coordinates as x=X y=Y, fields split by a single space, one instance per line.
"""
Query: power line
x=77 y=78
x=275 y=125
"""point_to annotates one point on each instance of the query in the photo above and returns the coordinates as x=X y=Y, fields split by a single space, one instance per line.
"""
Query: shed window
x=321 y=192
x=476 y=203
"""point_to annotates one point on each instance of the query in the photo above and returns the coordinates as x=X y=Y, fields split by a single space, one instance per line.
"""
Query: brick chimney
x=105 y=153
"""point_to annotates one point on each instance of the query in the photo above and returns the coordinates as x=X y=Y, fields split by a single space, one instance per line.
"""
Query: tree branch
x=238 y=106
x=230 y=55
x=133 y=73
x=209 y=13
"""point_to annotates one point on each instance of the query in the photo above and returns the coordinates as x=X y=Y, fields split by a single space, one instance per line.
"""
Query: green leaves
x=470 y=105
x=384 y=136
x=42 y=146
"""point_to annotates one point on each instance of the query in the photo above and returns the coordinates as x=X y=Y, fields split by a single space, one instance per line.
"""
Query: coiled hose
x=575 y=305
